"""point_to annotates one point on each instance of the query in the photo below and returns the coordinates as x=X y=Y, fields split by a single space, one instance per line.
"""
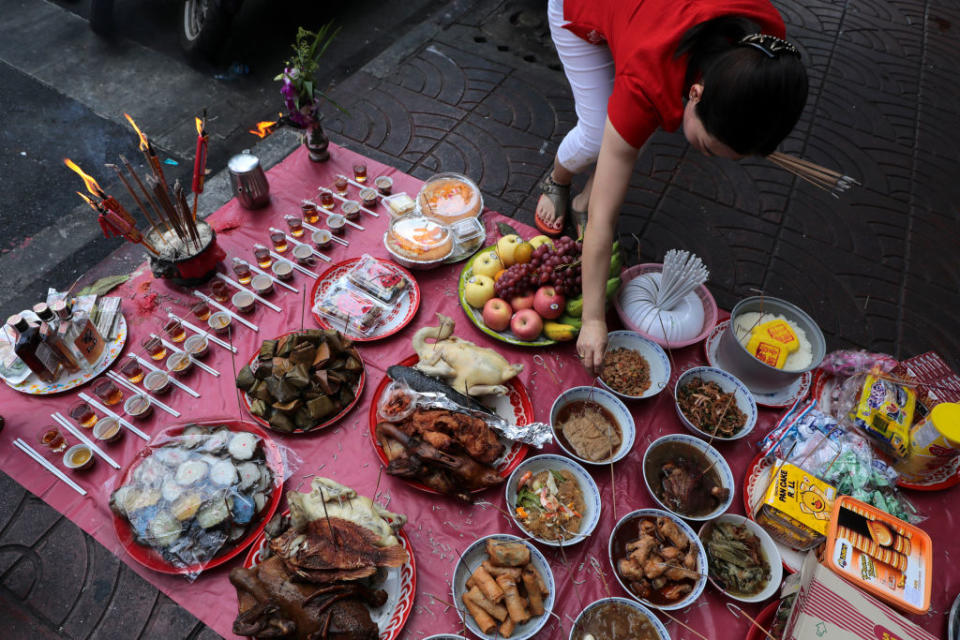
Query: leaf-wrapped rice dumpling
x=259 y=408
x=281 y=422
x=298 y=376
x=267 y=350
x=320 y=408
x=245 y=378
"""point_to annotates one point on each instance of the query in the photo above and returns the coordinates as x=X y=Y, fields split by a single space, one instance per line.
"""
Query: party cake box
x=881 y=554
x=796 y=507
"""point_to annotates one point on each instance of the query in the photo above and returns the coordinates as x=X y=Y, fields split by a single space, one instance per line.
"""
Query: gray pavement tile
x=102 y=569
x=129 y=610
x=169 y=620
x=64 y=562
x=20 y=623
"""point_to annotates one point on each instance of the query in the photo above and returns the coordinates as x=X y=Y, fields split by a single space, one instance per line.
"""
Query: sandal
x=559 y=195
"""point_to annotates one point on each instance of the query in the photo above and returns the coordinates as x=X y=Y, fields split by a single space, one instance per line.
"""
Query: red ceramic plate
x=764 y=619
x=153 y=560
x=401 y=312
x=322 y=425
x=400 y=584
x=519 y=403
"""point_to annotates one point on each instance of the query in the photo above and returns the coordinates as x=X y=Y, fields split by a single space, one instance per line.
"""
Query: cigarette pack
x=829 y=608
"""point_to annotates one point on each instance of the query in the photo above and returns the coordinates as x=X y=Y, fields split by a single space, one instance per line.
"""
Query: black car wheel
x=203 y=27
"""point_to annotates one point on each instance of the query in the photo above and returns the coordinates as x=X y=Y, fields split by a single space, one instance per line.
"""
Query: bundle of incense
x=817 y=175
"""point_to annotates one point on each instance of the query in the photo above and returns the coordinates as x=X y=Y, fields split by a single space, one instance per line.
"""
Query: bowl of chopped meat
x=715 y=405
x=634 y=367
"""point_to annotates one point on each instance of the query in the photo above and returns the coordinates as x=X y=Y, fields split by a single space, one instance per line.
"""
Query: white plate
x=473 y=557
x=776 y=400
x=591 y=495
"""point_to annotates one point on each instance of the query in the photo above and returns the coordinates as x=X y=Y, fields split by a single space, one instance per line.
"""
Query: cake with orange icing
x=419 y=239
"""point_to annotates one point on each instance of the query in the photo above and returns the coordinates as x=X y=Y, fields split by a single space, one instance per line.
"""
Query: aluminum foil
x=535 y=434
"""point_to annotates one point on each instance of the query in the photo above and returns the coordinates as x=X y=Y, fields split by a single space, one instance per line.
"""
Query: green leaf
x=103 y=286
x=557 y=476
x=308 y=87
x=506 y=230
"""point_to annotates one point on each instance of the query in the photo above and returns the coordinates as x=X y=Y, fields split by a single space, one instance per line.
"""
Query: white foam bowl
x=591 y=495
x=608 y=401
x=713 y=456
x=730 y=384
x=653 y=353
x=770 y=553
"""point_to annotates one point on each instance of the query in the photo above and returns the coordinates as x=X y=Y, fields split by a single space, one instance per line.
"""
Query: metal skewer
x=63 y=422
x=332 y=237
x=305 y=272
x=233 y=315
x=352 y=224
x=46 y=464
x=275 y=279
x=173 y=380
x=96 y=405
x=240 y=287
x=206 y=334
x=196 y=362
x=129 y=385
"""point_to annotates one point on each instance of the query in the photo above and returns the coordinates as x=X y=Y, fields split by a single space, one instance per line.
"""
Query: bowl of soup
x=592 y=425
x=617 y=619
x=688 y=477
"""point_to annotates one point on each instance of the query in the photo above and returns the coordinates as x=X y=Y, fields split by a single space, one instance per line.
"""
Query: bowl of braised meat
x=713 y=404
x=688 y=477
x=658 y=559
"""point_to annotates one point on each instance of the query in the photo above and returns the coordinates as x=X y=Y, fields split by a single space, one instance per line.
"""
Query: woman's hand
x=592 y=344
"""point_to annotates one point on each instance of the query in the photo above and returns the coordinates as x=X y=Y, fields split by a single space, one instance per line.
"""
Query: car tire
x=203 y=27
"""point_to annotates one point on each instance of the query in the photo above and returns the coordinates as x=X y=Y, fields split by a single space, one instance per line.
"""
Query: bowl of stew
x=617 y=619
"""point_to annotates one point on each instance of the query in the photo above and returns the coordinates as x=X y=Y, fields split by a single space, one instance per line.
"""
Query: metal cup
x=248 y=180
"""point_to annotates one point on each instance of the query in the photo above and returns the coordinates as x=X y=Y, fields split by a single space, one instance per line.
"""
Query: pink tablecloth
x=438 y=527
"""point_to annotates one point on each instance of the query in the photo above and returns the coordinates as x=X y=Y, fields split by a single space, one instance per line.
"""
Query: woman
x=631 y=65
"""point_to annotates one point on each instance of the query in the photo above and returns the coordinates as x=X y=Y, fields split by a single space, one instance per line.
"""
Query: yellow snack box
x=885 y=413
x=772 y=342
x=796 y=507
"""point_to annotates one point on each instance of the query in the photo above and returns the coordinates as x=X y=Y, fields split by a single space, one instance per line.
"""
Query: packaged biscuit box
x=796 y=507
x=885 y=412
x=880 y=554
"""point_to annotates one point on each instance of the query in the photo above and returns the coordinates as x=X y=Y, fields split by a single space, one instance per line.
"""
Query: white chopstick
x=329 y=213
x=196 y=362
x=332 y=237
x=96 y=405
x=63 y=422
x=345 y=199
x=297 y=242
x=27 y=449
x=209 y=300
x=173 y=379
x=129 y=385
x=275 y=279
x=240 y=287
x=206 y=334
x=305 y=272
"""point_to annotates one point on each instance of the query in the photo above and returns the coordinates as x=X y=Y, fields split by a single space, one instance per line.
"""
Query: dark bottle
x=30 y=348
x=71 y=360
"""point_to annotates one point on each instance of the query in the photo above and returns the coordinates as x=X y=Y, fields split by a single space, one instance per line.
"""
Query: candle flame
x=89 y=202
x=144 y=144
x=263 y=129
x=199 y=126
x=88 y=180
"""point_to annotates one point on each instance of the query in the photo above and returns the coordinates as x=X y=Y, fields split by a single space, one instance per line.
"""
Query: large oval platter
x=153 y=560
x=476 y=317
x=358 y=391
x=400 y=583
x=34 y=386
x=401 y=312
x=516 y=406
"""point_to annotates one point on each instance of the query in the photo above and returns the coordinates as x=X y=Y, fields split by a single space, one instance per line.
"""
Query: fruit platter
x=528 y=292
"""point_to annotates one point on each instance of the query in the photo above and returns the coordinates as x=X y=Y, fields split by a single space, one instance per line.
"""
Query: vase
x=316 y=142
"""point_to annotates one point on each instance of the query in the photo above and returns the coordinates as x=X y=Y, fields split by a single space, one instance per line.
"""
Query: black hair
x=751 y=101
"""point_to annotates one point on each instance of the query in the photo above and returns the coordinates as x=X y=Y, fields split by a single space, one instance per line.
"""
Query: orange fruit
x=523 y=253
x=497 y=275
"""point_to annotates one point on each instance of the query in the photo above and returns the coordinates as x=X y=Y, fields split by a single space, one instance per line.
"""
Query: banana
x=575 y=307
x=576 y=323
x=613 y=285
x=616 y=264
x=559 y=332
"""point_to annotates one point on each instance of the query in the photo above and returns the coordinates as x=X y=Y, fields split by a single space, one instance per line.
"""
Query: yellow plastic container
x=883 y=555
x=934 y=444
x=885 y=412
x=796 y=507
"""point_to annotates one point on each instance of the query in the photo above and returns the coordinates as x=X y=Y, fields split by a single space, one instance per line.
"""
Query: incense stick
x=740 y=612
x=133 y=194
x=821 y=177
x=233 y=363
x=146 y=193
x=685 y=626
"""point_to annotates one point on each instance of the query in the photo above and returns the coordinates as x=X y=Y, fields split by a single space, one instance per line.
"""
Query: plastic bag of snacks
x=848 y=363
x=349 y=309
x=378 y=279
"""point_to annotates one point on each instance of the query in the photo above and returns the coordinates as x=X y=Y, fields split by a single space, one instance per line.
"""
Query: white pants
x=589 y=70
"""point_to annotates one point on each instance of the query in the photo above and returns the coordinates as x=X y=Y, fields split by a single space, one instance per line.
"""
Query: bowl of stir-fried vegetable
x=715 y=405
x=744 y=561
x=553 y=499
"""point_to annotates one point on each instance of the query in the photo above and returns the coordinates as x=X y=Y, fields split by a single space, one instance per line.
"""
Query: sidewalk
x=877 y=268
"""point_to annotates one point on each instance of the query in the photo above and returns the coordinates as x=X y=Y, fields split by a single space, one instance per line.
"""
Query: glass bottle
x=77 y=329
x=71 y=359
x=30 y=348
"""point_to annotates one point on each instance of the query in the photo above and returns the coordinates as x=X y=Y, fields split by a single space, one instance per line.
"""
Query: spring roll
x=508 y=554
x=534 y=594
x=496 y=571
x=497 y=611
x=487 y=585
x=483 y=620
x=471 y=583
x=516 y=606
x=507 y=627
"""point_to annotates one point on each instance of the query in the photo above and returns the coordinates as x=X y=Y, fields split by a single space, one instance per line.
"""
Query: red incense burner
x=184 y=263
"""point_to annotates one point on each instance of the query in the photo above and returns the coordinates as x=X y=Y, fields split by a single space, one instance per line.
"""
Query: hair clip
x=771 y=46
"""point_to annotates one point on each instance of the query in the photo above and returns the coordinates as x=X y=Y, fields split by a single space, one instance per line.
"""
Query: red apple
x=548 y=303
x=522 y=302
x=526 y=324
x=496 y=314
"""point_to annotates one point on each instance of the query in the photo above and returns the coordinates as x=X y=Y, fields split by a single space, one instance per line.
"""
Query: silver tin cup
x=248 y=180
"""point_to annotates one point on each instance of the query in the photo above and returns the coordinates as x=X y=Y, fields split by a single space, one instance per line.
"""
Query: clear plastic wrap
x=349 y=309
x=379 y=280
x=848 y=362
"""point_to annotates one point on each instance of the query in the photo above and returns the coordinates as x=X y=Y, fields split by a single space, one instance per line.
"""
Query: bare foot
x=546 y=211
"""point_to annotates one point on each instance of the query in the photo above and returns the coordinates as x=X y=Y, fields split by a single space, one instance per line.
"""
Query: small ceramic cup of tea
x=138 y=406
x=282 y=269
x=157 y=382
x=220 y=321
x=243 y=301
x=262 y=284
x=196 y=345
x=78 y=457
x=107 y=429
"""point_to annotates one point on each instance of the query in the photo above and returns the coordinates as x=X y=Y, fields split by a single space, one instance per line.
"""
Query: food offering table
x=438 y=528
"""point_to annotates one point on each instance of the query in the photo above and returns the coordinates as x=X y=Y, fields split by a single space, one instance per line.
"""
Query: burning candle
x=295 y=224
x=262 y=255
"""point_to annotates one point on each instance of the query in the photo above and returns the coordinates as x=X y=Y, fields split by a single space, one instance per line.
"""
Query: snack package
x=885 y=413
x=378 y=279
x=796 y=507
x=881 y=554
x=772 y=342
x=348 y=309
x=849 y=363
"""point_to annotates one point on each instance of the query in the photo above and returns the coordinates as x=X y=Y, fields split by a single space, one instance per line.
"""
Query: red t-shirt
x=643 y=36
